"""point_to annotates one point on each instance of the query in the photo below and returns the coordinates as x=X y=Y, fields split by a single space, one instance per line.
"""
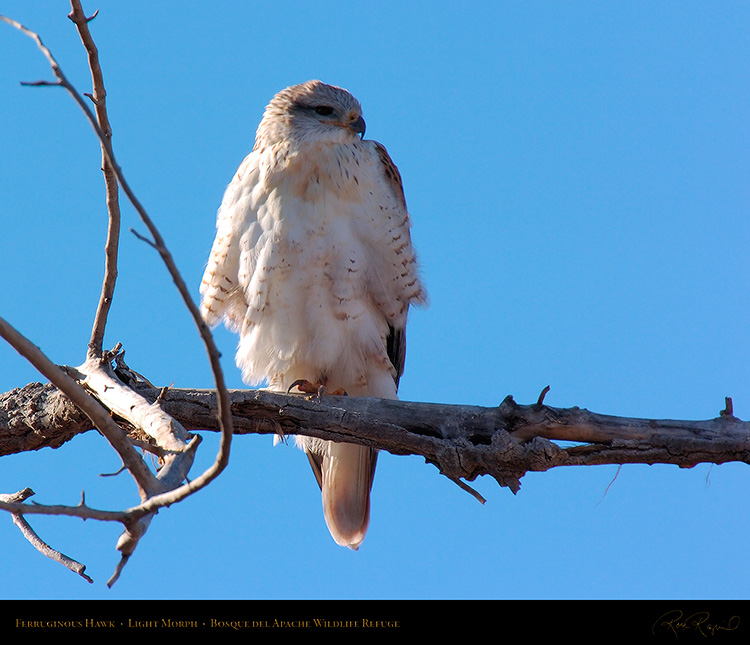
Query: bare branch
x=467 y=441
x=99 y=98
x=118 y=570
x=80 y=510
x=38 y=416
x=158 y=242
x=62 y=80
x=213 y=353
x=143 y=238
x=37 y=542
x=94 y=369
x=462 y=441
x=98 y=415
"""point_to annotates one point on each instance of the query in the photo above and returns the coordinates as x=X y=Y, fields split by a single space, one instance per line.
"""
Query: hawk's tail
x=345 y=472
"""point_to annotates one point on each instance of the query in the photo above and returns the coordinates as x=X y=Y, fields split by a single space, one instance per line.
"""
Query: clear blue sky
x=577 y=175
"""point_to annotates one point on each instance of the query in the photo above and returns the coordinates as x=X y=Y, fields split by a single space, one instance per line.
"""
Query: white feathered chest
x=314 y=264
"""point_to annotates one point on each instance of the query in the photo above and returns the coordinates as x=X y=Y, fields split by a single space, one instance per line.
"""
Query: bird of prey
x=313 y=265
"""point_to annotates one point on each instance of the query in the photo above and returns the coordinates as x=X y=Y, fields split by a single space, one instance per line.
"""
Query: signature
x=676 y=623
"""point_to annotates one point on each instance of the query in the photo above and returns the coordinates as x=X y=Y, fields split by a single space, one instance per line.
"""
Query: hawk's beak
x=358 y=126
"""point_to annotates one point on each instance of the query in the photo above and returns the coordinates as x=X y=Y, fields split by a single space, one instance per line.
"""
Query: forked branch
x=39 y=544
x=95 y=377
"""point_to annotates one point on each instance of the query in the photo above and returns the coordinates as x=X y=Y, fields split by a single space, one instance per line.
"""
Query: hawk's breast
x=319 y=294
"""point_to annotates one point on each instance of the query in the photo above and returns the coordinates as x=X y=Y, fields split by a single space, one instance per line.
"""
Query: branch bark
x=462 y=441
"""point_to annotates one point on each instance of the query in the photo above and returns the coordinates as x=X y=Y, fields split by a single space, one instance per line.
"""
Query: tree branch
x=213 y=353
x=36 y=541
x=99 y=99
x=96 y=371
x=463 y=442
x=98 y=415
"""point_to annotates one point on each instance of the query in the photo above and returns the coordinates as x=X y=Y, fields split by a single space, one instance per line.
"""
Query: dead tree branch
x=462 y=441
x=36 y=541
x=93 y=386
x=99 y=99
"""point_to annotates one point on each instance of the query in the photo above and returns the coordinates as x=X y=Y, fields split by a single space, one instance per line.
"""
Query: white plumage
x=313 y=265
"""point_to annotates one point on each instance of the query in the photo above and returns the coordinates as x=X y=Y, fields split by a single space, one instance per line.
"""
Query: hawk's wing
x=236 y=228
x=411 y=291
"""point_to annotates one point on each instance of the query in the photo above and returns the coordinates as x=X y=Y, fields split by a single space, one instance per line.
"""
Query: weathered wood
x=462 y=441
x=38 y=416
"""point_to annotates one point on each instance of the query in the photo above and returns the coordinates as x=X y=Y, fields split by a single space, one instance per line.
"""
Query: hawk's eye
x=324 y=110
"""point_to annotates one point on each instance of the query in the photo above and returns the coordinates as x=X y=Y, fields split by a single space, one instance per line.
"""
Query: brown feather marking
x=396 y=348
x=391 y=173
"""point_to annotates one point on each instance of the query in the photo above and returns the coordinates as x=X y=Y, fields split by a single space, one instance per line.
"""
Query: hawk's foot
x=317 y=390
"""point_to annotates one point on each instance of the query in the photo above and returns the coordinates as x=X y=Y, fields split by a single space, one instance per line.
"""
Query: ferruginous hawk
x=313 y=265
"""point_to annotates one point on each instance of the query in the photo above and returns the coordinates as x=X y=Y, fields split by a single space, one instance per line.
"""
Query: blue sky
x=576 y=174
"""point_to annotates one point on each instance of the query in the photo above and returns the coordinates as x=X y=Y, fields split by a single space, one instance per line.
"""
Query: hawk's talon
x=304 y=386
x=318 y=391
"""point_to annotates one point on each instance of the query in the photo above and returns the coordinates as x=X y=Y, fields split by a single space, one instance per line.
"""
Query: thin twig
x=118 y=570
x=39 y=544
x=44 y=548
x=606 y=490
x=464 y=486
x=542 y=394
x=99 y=99
x=143 y=238
x=62 y=80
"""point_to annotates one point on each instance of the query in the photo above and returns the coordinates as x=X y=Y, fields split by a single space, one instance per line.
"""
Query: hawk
x=313 y=266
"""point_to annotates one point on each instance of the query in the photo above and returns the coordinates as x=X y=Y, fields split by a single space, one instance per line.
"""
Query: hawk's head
x=312 y=111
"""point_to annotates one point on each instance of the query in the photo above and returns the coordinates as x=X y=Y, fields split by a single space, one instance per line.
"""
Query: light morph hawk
x=313 y=265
